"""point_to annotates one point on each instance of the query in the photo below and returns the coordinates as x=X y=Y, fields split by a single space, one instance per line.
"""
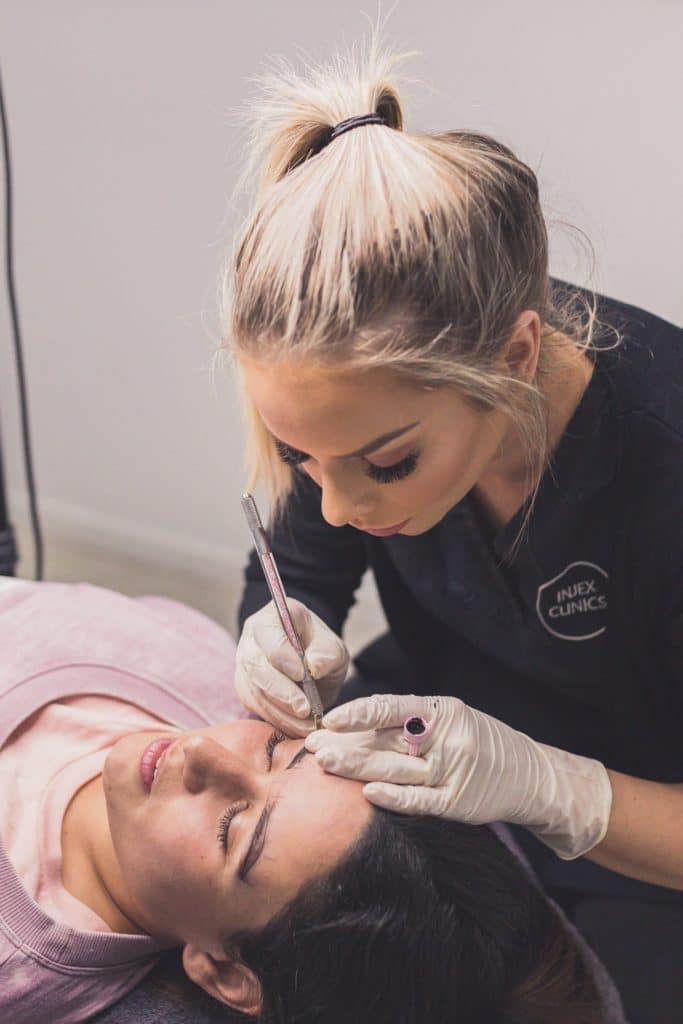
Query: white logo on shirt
x=573 y=604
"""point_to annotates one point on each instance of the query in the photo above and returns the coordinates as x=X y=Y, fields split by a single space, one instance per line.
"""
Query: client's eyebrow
x=297 y=757
x=258 y=836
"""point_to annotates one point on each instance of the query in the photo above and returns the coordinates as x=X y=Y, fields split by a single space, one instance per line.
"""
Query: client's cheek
x=147 y=855
x=155 y=887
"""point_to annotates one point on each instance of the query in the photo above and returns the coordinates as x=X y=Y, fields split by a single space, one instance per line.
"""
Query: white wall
x=124 y=159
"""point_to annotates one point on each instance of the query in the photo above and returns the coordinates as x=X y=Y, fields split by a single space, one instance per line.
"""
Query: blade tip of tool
x=251 y=512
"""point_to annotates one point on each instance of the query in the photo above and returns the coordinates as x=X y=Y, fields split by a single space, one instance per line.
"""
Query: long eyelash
x=275 y=737
x=390 y=474
x=225 y=820
x=290 y=456
x=229 y=813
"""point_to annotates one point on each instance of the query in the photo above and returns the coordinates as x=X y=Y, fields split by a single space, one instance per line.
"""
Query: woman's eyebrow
x=380 y=441
x=367 y=449
x=258 y=836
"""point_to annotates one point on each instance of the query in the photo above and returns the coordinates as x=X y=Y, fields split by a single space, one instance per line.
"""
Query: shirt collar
x=583 y=463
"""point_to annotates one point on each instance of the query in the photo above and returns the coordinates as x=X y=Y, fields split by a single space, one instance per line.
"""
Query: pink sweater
x=157 y=660
x=58 y=961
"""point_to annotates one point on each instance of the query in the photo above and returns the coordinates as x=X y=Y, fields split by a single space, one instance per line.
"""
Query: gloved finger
x=263 y=678
x=282 y=720
x=381 y=711
x=386 y=739
x=326 y=655
x=374 y=766
x=265 y=630
x=304 y=620
x=327 y=658
x=402 y=799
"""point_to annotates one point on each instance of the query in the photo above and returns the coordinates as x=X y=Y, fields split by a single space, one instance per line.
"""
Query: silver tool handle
x=277 y=592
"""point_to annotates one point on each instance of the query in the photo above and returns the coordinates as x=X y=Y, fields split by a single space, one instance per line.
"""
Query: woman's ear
x=227 y=980
x=523 y=346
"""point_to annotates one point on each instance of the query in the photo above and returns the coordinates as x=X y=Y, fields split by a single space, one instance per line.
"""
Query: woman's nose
x=208 y=764
x=339 y=503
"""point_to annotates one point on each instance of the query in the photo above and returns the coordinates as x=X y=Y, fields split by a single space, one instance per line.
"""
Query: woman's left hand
x=471 y=768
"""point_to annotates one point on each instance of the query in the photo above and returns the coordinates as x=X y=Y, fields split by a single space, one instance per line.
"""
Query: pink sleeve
x=199 y=628
x=190 y=622
x=14 y=591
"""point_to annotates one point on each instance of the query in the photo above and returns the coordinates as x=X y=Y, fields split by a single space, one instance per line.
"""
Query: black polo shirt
x=577 y=639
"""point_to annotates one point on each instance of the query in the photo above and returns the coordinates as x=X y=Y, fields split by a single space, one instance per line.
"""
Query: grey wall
x=124 y=159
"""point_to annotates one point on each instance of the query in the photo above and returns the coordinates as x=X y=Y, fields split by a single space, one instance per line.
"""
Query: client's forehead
x=316 y=818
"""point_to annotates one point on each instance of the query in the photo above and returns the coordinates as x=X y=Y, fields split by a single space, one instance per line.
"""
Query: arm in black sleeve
x=321 y=565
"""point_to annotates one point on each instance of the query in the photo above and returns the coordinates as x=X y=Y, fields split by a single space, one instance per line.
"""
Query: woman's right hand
x=268 y=668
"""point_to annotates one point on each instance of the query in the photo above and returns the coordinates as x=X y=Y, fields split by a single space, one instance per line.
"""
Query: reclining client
x=140 y=813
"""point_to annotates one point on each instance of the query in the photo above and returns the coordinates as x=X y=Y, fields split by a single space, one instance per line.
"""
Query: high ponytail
x=292 y=115
x=415 y=252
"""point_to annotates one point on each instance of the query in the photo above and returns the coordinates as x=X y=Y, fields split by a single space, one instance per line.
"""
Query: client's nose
x=208 y=764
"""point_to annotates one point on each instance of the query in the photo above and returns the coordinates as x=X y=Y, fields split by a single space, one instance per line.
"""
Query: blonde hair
x=415 y=252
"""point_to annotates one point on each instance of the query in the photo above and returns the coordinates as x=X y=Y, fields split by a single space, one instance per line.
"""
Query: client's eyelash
x=390 y=474
x=290 y=456
x=225 y=820
x=275 y=737
x=229 y=813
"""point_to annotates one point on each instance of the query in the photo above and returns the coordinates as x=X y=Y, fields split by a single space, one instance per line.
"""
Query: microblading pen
x=277 y=592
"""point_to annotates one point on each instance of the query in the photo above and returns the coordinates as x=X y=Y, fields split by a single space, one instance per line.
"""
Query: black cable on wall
x=21 y=376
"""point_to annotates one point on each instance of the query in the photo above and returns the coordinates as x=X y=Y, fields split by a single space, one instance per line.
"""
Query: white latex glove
x=267 y=664
x=471 y=768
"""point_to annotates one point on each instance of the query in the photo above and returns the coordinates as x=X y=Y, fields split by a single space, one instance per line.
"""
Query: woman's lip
x=150 y=756
x=387 y=531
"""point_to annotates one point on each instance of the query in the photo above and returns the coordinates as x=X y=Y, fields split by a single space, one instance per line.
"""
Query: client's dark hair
x=424 y=920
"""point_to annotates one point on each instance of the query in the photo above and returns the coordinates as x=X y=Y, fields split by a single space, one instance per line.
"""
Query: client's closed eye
x=275 y=737
x=226 y=819
x=231 y=812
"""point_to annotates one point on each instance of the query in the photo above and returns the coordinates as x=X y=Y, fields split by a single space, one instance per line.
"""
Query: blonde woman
x=504 y=453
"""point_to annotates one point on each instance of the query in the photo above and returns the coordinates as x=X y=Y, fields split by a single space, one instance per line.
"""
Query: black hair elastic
x=355 y=122
x=346 y=126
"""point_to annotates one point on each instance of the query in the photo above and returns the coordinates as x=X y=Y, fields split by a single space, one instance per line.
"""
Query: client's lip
x=152 y=754
x=385 y=531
